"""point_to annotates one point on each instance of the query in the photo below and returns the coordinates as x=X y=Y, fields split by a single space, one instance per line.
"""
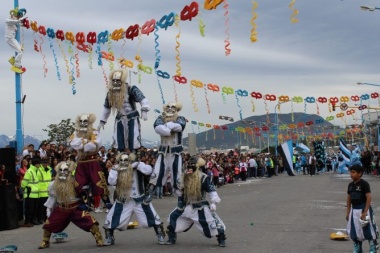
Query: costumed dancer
x=128 y=176
x=193 y=208
x=62 y=207
x=361 y=219
x=86 y=140
x=14 y=20
x=170 y=127
x=122 y=98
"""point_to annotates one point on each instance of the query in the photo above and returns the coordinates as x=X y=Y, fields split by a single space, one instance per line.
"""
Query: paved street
x=278 y=214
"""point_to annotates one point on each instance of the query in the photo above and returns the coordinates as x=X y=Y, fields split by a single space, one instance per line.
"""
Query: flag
x=345 y=156
x=286 y=152
x=303 y=148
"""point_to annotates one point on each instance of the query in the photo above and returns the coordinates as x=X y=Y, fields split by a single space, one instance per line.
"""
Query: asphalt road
x=278 y=214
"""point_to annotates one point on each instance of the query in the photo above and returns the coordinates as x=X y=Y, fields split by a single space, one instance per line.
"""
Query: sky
x=332 y=47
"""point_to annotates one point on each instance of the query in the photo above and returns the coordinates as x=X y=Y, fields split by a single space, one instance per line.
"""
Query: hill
x=228 y=139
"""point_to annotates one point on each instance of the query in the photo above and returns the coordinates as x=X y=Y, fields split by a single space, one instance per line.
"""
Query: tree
x=61 y=132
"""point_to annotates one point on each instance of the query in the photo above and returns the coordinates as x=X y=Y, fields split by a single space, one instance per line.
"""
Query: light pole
x=369 y=8
x=19 y=100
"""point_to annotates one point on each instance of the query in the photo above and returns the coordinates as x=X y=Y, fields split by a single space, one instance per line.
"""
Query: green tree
x=61 y=132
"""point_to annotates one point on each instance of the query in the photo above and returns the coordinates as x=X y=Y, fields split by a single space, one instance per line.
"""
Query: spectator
x=30 y=187
x=252 y=167
x=215 y=175
x=243 y=169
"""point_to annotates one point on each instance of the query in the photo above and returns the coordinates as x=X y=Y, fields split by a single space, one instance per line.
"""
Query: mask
x=63 y=171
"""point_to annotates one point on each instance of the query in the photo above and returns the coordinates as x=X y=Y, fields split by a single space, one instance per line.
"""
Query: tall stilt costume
x=128 y=176
x=193 y=208
x=170 y=127
x=122 y=98
x=86 y=140
x=62 y=207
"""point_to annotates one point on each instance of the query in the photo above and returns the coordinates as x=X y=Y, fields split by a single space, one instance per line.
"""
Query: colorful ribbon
x=254 y=26
x=293 y=18
x=160 y=88
x=177 y=57
x=227 y=31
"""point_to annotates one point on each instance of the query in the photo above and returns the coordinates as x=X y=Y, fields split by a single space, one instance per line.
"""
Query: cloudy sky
x=332 y=47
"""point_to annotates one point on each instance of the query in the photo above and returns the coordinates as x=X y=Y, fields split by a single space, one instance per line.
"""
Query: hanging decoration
x=42 y=33
x=293 y=18
x=254 y=26
x=51 y=35
x=227 y=31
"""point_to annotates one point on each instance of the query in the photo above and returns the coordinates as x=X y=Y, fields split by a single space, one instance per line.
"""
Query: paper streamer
x=43 y=55
x=224 y=98
x=77 y=63
x=158 y=56
x=99 y=54
x=227 y=31
x=201 y=24
x=65 y=59
x=175 y=91
x=253 y=105
x=36 y=47
x=293 y=18
x=254 y=26
x=193 y=99
x=177 y=57
x=100 y=62
x=90 y=57
x=266 y=109
x=237 y=102
x=139 y=66
x=160 y=88
x=72 y=72
x=54 y=54
x=109 y=44
x=207 y=101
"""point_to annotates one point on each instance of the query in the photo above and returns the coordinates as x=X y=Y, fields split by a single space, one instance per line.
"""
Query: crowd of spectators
x=222 y=167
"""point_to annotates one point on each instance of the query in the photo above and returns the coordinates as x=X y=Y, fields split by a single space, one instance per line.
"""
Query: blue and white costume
x=194 y=208
x=122 y=99
x=129 y=199
x=169 y=152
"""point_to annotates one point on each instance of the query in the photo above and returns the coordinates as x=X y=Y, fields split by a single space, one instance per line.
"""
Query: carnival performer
x=121 y=99
x=127 y=175
x=62 y=207
x=86 y=140
x=14 y=20
x=169 y=126
x=193 y=208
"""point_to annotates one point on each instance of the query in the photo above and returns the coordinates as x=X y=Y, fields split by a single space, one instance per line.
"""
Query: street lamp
x=368 y=8
x=372 y=84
